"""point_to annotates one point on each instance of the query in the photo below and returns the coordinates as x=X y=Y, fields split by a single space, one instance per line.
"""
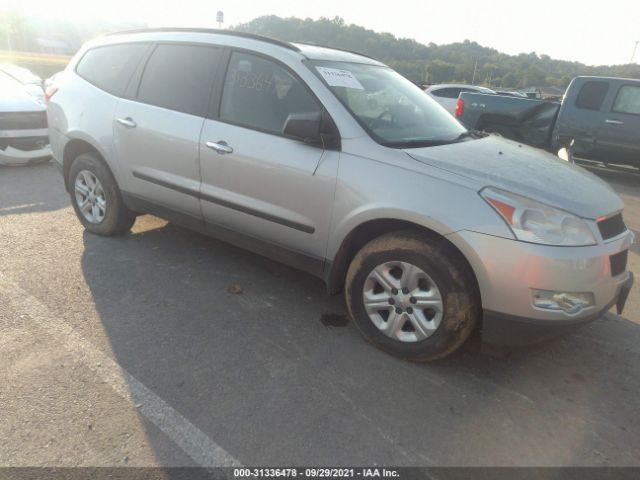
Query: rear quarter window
x=110 y=67
x=592 y=95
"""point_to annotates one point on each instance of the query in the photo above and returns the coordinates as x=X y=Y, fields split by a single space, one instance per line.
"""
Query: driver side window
x=259 y=93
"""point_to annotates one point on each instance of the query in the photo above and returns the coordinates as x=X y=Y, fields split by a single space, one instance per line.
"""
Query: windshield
x=394 y=111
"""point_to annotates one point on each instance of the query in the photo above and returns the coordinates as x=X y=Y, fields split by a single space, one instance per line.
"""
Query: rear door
x=619 y=135
x=255 y=180
x=157 y=129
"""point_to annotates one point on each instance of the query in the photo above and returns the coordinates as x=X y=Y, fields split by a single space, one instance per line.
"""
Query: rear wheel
x=96 y=198
x=412 y=295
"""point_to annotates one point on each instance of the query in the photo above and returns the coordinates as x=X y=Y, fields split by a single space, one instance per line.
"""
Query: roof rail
x=339 y=49
x=233 y=33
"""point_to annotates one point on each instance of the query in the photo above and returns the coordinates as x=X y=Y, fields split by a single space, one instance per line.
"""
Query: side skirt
x=301 y=261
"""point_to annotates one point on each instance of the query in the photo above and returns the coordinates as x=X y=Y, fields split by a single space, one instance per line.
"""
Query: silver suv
x=332 y=162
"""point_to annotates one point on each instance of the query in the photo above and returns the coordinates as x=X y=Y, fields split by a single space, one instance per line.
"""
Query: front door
x=255 y=180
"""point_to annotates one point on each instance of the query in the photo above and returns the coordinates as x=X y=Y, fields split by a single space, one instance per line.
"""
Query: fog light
x=570 y=303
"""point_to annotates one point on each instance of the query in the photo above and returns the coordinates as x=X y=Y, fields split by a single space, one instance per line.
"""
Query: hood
x=17 y=99
x=527 y=171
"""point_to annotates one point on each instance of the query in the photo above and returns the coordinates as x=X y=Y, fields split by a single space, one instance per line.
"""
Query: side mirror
x=566 y=153
x=304 y=126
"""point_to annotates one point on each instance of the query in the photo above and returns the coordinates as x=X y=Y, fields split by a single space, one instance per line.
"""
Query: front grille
x=612 y=226
x=618 y=263
x=22 y=120
x=26 y=144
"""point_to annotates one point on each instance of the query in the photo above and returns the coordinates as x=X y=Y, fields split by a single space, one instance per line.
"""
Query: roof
x=320 y=52
x=232 y=33
x=310 y=51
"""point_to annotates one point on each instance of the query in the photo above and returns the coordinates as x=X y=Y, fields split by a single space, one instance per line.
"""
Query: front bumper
x=508 y=272
x=12 y=156
x=21 y=147
x=503 y=329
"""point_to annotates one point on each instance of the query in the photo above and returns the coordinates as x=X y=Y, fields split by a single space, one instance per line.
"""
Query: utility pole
x=634 y=51
x=473 y=80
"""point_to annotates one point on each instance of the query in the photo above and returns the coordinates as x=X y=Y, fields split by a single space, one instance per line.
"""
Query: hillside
x=434 y=63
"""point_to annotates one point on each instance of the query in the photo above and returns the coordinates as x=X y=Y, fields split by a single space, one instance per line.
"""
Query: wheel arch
x=78 y=146
x=369 y=230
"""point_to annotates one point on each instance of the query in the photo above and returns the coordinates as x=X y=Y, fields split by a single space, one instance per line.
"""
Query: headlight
x=535 y=222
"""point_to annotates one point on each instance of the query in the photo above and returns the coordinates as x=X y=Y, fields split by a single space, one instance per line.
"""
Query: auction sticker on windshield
x=339 y=78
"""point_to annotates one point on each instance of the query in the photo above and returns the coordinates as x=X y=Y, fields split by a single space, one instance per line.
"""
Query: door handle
x=220 y=146
x=614 y=122
x=127 y=122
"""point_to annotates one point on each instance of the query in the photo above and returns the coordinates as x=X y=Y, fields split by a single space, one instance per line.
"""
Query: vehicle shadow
x=31 y=189
x=265 y=378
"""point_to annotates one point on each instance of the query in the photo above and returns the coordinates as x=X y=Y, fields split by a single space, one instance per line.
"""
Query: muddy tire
x=96 y=198
x=412 y=295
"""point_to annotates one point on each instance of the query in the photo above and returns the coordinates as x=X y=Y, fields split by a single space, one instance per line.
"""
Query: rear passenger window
x=179 y=77
x=627 y=100
x=110 y=68
x=261 y=94
x=592 y=95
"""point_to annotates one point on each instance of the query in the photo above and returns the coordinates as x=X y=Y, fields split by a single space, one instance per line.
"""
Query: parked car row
x=332 y=162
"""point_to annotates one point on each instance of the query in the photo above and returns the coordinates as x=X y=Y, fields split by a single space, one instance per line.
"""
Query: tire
x=441 y=266
x=501 y=130
x=114 y=218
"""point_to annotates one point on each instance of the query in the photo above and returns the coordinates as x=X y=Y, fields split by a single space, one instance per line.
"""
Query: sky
x=591 y=32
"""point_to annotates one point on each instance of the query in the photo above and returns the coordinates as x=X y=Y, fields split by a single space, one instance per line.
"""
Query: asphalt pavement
x=166 y=347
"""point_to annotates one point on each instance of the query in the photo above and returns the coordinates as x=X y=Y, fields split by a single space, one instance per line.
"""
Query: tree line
x=425 y=64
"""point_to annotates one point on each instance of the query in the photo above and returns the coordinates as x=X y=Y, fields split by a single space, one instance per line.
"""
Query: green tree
x=434 y=63
x=509 y=80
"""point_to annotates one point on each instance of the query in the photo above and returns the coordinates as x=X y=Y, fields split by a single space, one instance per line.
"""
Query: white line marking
x=195 y=443
x=21 y=207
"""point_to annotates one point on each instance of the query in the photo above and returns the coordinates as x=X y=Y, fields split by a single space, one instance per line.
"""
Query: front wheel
x=412 y=295
x=96 y=198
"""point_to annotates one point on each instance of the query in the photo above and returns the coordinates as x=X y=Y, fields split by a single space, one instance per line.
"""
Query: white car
x=23 y=125
x=447 y=94
x=31 y=82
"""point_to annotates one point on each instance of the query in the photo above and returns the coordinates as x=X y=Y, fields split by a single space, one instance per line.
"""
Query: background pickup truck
x=601 y=115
